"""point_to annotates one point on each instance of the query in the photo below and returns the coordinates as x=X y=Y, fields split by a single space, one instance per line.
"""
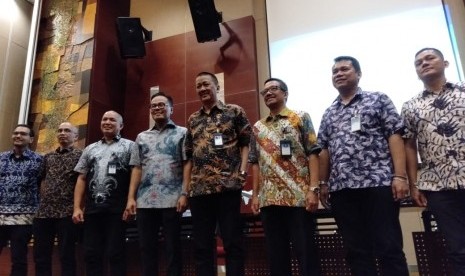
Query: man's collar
x=283 y=113
x=169 y=124
x=64 y=150
x=356 y=96
x=219 y=105
x=115 y=139
x=26 y=153
x=446 y=86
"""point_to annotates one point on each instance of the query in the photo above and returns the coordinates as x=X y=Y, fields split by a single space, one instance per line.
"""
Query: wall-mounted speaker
x=206 y=20
x=130 y=37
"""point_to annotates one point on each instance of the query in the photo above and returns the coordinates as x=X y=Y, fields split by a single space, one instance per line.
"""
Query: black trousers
x=104 y=236
x=149 y=221
x=45 y=230
x=208 y=211
x=448 y=208
x=19 y=236
x=286 y=226
x=368 y=220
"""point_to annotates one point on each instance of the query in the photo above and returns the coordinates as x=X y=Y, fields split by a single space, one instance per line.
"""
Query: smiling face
x=21 y=137
x=429 y=65
x=345 y=77
x=111 y=124
x=206 y=89
x=273 y=95
x=160 y=109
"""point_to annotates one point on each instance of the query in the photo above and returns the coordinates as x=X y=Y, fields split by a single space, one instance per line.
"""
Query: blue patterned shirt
x=19 y=183
x=160 y=153
x=437 y=122
x=107 y=190
x=360 y=159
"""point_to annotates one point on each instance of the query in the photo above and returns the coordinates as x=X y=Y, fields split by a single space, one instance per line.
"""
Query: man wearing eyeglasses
x=363 y=172
x=217 y=145
x=21 y=173
x=284 y=157
x=156 y=193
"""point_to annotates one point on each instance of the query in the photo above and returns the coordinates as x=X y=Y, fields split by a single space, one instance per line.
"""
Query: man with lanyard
x=284 y=155
x=217 y=146
x=103 y=181
x=363 y=172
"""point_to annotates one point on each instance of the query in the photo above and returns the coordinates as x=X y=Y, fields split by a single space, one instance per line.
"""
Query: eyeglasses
x=271 y=89
x=160 y=105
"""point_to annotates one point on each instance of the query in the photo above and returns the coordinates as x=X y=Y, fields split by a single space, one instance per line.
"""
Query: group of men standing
x=361 y=164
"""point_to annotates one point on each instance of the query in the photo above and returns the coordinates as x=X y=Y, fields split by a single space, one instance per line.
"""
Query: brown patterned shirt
x=57 y=193
x=216 y=168
x=437 y=121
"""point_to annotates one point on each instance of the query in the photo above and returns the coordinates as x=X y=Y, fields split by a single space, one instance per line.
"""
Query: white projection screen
x=306 y=35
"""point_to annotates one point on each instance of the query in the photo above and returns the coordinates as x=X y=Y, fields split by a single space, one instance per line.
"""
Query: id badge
x=285 y=146
x=111 y=168
x=218 y=139
x=355 y=123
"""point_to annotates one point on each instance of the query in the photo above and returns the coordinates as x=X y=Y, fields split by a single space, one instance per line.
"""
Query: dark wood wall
x=172 y=64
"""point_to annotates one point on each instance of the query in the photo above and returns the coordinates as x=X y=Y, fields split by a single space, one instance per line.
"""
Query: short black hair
x=215 y=79
x=439 y=53
x=31 y=131
x=282 y=84
x=161 y=93
x=353 y=60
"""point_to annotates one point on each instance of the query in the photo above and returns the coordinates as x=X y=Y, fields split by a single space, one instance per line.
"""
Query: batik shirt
x=360 y=159
x=19 y=187
x=107 y=175
x=57 y=192
x=216 y=168
x=284 y=181
x=160 y=154
x=437 y=122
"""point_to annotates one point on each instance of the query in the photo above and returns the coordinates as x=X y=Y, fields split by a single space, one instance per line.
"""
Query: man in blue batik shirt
x=362 y=166
x=21 y=173
x=156 y=190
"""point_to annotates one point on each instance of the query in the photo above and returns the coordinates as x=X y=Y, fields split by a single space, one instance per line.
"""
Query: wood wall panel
x=108 y=80
x=172 y=63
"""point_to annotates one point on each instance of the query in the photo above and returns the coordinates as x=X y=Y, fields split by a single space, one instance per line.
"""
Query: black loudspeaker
x=206 y=20
x=130 y=37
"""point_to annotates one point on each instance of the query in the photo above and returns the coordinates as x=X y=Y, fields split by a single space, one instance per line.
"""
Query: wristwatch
x=243 y=174
x=315 y=190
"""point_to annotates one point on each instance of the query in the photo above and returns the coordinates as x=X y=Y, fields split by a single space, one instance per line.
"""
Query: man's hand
x=255 y=205
x=130 y=210
x=181 y=205
x=78 y=216
x=311 y=201
x=399 y=188
x=418 y=197
x=324 y=196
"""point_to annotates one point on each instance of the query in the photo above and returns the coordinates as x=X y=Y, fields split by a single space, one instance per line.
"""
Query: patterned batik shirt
x=19 y=187
x=216 y=169
x=437 y=122
x=57 y=191
x=360 y=159
x=160 y=154
x=107 y=175
x=284 y=181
